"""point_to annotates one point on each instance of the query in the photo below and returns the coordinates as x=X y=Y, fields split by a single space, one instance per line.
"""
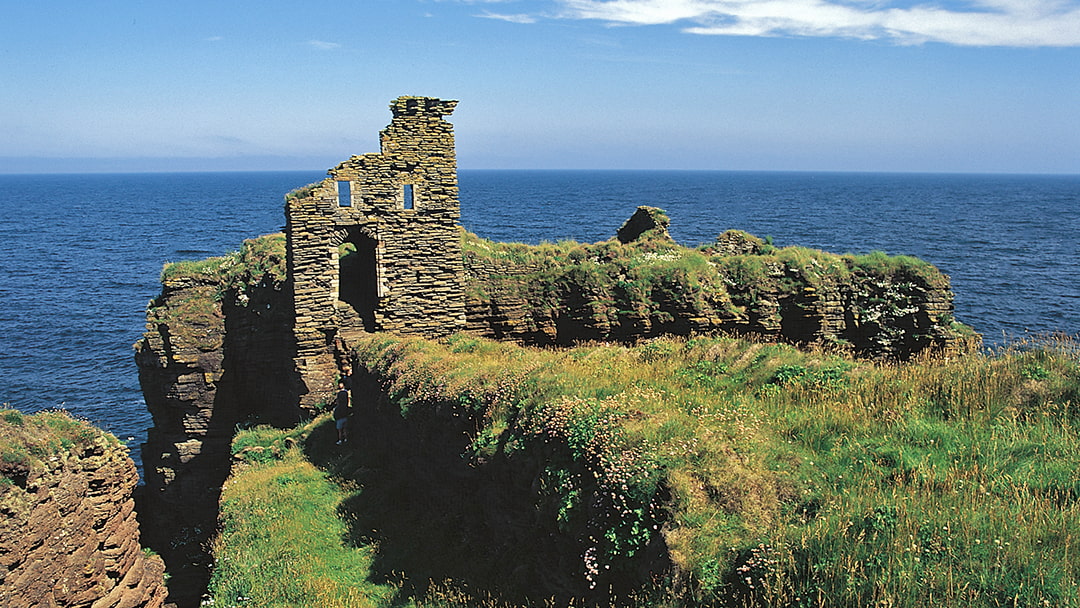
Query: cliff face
x=217 y=351
x=185 y=457
x=68 y=531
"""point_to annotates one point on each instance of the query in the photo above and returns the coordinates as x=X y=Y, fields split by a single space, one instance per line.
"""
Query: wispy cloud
x=1019 y=23
x=516 y=18
x=322 y=45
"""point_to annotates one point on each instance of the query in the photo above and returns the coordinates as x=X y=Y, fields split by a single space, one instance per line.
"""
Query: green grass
x=282 y=542
x=302 y=192
x=776 y=477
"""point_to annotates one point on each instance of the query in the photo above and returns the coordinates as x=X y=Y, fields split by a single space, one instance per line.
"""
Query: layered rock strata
x=69 y=536
x=646 y=286
x=217 y=351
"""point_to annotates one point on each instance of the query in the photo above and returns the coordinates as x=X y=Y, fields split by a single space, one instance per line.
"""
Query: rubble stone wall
x=399 y=208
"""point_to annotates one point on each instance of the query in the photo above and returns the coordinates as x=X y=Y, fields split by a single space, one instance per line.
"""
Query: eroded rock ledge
x=68 y=530
x=643 y=285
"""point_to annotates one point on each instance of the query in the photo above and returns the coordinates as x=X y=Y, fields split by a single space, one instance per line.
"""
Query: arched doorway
x=358 y=277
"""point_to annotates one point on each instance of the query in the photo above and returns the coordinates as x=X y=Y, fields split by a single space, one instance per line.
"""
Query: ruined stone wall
x=400 y=208
x=68 y=529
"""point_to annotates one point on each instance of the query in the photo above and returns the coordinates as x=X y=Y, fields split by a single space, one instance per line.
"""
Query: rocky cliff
x=217 y=351
x=68 y=531
x=644 y=285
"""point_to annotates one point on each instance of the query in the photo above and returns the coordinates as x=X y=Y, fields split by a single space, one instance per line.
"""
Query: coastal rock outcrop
x=646 y=286
x=217 y=351
x=68 y=532
x=645 y=220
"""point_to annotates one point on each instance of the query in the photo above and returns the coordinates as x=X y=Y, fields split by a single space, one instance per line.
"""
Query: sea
x=80 y=255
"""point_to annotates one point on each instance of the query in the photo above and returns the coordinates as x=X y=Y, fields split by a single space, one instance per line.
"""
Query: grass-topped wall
x=559 y=293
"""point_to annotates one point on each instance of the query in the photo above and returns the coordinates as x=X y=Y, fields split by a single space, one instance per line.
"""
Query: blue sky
x=835 y=85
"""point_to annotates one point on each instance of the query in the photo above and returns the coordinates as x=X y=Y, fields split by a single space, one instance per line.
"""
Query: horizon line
x=5 y=173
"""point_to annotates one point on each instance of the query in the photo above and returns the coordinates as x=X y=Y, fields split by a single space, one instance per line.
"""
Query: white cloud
x=1020 y=23
x=518 y=18
x=322 y=45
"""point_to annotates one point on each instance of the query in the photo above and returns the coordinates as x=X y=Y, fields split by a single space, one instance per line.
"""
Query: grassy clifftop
x=33 y=444
x=561 y=293
x=765 y=475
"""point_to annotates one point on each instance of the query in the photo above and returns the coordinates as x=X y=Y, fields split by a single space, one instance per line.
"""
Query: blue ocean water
x=80 y=254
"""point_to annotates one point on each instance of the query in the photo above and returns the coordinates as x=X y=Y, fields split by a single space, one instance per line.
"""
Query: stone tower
x=376 y=246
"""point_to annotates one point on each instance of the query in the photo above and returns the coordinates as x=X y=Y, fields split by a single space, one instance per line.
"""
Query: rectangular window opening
x=344 y=194
x=407 y=196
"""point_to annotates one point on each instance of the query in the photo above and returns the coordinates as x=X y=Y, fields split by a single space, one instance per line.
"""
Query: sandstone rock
x=69 y=535
x=645 y=220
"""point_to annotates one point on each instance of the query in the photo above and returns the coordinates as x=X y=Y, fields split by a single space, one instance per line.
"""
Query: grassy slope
x=793 y=478
x=281 y=540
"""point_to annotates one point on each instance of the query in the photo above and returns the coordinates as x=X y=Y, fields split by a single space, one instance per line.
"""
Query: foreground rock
x=68 y=532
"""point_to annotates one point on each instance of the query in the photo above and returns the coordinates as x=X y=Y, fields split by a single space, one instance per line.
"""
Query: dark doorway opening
x=358 y=277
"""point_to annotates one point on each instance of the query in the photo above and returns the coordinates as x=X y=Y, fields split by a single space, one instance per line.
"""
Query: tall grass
x=803 y=477
x=777 y=477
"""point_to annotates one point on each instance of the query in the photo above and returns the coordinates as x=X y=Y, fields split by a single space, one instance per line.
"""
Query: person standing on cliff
x=342 y=412
x=348 y=379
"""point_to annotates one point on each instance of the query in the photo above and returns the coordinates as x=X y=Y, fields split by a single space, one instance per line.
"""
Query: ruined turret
x=375 y=246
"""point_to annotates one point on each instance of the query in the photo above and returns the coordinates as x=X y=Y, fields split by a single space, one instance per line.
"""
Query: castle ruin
x=376 y=245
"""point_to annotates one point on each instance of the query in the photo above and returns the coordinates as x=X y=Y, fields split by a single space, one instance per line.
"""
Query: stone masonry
x=376 y=247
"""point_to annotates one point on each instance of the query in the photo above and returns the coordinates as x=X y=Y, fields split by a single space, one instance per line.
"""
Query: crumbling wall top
x=411 y=106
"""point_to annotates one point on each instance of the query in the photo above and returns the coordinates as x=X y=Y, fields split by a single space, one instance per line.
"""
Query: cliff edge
x=69 y=534
x=642 y=285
